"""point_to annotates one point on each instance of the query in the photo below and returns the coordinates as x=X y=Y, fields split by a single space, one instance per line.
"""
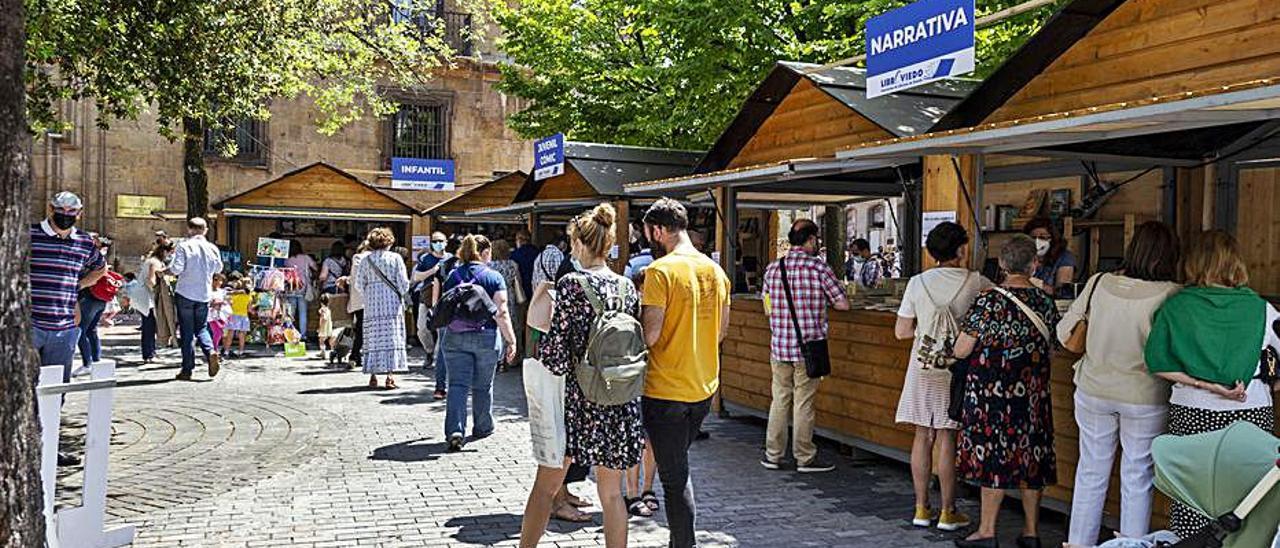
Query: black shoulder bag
x=817 y=360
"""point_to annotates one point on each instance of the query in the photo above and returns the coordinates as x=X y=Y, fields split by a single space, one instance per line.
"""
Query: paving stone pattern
x=284 y=452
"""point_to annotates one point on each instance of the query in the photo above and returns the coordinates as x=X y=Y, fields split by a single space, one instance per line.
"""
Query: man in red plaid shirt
x=814 y=286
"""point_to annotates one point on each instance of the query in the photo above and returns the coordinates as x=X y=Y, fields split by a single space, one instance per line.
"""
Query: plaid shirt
x=814 y=286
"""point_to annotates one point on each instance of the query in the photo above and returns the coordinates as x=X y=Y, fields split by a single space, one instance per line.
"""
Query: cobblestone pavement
x=284 y=452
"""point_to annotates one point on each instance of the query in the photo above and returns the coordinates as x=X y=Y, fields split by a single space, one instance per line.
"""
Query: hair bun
x=605 y=214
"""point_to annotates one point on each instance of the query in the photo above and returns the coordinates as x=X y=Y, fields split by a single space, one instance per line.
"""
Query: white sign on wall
x=931 y=221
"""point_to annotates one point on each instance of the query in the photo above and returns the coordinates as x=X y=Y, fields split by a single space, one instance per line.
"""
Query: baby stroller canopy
x=1214 y=471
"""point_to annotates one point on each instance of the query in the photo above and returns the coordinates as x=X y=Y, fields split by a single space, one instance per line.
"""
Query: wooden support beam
x=622 y=235
x=942 y=192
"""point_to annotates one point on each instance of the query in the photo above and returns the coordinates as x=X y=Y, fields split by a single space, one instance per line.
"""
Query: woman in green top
x=1207 y=340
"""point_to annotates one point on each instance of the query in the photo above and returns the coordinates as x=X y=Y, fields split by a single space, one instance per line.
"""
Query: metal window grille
x=249 y=136
x=451 y=26
x=420 y=131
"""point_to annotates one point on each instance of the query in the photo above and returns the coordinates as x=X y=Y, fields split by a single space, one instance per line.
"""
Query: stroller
x=1230 y=473
x=342 y=346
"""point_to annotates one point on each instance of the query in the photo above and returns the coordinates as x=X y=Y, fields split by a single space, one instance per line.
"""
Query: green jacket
x=1211 y=333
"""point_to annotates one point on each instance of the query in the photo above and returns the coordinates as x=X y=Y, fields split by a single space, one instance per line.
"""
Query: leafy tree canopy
x=217 y=60
x=673 y=73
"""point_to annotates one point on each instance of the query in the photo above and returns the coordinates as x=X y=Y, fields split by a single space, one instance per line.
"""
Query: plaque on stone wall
x=131 y=206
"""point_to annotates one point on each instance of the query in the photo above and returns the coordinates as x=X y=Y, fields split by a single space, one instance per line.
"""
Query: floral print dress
x=1006 y=437
x=598 y=435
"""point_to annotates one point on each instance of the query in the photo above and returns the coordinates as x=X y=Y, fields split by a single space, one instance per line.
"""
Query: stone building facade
x=127 y=172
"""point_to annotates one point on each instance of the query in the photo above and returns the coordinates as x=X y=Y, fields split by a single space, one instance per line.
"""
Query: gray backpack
x=611 y=371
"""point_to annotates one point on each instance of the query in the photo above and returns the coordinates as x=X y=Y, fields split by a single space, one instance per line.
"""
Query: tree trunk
x=21 y=495
x=193 y=173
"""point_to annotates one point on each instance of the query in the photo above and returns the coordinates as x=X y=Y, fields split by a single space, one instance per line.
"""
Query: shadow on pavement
x=354 y=389
x=413 y=451
x=147 y=382
x=491 y=529
x=324 y=372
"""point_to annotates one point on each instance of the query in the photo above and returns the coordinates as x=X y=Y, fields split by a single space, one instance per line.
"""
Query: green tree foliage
x=198 y=63
x=673 y=73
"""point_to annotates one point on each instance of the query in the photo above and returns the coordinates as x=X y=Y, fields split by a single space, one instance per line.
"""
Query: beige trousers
x=793 y=392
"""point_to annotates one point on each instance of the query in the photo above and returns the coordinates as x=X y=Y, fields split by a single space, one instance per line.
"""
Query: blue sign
x=548 y=157
x=920 y=43
x=420 y=174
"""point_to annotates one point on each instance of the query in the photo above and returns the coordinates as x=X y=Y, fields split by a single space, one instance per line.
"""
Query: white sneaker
x=80 y=371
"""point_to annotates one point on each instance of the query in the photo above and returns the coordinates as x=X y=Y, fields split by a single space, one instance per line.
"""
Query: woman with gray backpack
x=595 y=342
x=932 y=302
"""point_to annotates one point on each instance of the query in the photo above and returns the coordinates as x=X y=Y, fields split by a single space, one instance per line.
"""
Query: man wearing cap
x=63 y=260
x=195 y=261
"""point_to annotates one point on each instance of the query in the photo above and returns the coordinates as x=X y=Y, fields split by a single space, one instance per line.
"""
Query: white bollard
x=82 y=526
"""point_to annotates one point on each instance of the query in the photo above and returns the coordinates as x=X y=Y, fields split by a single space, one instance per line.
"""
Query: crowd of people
x=1173 y=341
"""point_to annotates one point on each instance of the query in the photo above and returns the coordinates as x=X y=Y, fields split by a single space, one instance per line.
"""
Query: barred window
x=420 y=131
x=249 y=136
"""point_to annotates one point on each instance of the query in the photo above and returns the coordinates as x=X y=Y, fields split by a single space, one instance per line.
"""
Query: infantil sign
x=920 y=43
x=548 y=157
x=421 y=174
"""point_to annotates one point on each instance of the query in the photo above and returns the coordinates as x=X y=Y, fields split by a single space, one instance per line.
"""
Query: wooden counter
x=857 y=403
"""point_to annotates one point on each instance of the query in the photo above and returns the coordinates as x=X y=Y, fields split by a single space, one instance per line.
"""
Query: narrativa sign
x=919 y=43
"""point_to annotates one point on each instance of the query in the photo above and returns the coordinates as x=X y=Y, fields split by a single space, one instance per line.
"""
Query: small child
x=325 y=332
x=238 y=326
x=218 y=312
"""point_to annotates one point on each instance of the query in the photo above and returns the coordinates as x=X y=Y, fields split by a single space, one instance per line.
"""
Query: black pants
x=358 y=344
x=576 y=473
x=672 y=426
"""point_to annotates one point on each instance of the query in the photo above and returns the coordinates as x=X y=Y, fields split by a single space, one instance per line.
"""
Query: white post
x=49 y=407
x=82 y=526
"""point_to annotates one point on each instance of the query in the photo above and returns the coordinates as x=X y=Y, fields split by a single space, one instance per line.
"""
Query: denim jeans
x=56 y=347
x=298 y=309
x=91 y=310
x=472 y=359
x=193 y=327
x=442 y=369
x=149 y=335
x=672 y=426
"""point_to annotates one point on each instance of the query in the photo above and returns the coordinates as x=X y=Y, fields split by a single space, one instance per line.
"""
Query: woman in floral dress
x=383 y=281
x=1006 y=436
x=608 y=438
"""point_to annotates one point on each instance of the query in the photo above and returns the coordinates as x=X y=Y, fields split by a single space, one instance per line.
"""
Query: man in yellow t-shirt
x=685 y=315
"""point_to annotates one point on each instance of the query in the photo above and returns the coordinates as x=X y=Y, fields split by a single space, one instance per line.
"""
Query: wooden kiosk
x=450 y=215
x=594 y=173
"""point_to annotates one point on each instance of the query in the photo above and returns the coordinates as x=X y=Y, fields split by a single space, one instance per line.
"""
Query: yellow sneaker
x=924 y=517
x=952 y=520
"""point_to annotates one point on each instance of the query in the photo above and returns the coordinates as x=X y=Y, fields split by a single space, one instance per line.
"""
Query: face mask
x=63 y=221
x=1042 y=247
x=437 y=246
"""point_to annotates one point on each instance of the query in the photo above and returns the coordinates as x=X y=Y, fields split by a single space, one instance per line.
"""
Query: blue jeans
x=193 y=327
x=298 y=309
x=442 y=370
x=472 y=359
x=91 y=310
x=149 y=335
x=56 y=347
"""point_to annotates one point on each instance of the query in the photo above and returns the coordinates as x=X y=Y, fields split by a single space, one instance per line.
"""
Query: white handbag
x=544 y=393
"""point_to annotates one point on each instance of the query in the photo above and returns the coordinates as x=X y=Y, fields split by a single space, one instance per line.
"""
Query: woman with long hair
x=606 y=437
x=145 y=301
x=1056 y=266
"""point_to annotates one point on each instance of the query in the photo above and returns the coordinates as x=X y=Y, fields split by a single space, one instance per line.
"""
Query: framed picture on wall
x=1060 y=203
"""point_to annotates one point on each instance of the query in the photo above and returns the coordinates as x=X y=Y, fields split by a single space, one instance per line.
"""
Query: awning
x=536 y=206
x=1255 y=101
x=799 y=176
x=485 y=219
x=782 y=201
x=298 y=213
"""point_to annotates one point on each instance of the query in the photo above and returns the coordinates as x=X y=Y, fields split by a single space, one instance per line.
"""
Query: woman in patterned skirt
x=608 y=437
x=1207 y=340
x=383 y=282
x=1006 y=436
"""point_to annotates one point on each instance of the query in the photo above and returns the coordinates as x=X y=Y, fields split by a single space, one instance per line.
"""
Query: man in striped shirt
x=63 y=260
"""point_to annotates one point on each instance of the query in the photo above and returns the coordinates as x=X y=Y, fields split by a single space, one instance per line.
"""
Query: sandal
x=391 y=385
x=638 y=508
x=651 y=500
x=373 y=382
x=571 y=515
x=576 y=501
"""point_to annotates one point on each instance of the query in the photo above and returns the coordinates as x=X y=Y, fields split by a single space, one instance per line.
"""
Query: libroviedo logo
x=917 y=44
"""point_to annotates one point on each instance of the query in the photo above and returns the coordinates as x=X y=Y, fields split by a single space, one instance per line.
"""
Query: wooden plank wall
x=860 y=398
x=807 y=124
x=1149 y=48
x=1258 y=227
x=497 y=193
x=568 y=186
x=318 y=188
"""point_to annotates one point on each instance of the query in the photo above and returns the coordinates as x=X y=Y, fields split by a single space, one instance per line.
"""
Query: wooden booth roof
x=595 y=169
x=322 y=187
x=499 y=191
